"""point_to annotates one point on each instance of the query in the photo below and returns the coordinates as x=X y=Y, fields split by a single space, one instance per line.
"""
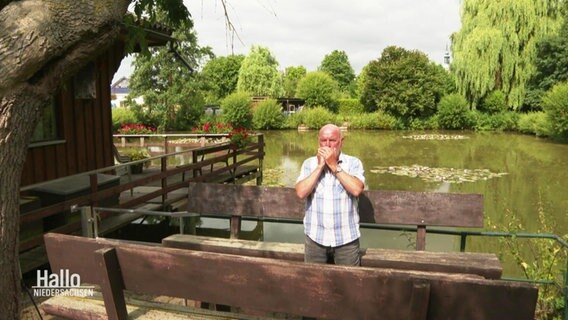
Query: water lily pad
x=450 y=175
x=435 y=137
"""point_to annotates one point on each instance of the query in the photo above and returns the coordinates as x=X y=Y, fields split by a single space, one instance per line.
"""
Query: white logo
x=62 y=283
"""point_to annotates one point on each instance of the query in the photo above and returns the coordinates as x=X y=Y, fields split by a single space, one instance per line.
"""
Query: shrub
x=375 y=120
x=122 y=116
x=430 y=123
x=494 y=102
x=294 y=120
x=268 y=115
x=555 y=104
x=318 y=89
x=503 y=121
x=213 y=127
x=453 y=112
x=317 y=117
x=350 y=106
x=236 y=110
x=136 y=128
x=534 y=123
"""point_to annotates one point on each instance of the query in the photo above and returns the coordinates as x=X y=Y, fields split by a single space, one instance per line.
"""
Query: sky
x=302 y=32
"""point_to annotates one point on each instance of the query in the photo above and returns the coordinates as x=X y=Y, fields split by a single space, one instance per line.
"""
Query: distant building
x=119 y=92
x=289 y=105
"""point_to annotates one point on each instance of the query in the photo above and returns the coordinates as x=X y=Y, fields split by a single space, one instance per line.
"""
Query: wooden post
x=123 y=141
x=419 y=300
x=421 y=238
x=112 y=285
x=86 y=222
x=164 y=168
x=235 y=226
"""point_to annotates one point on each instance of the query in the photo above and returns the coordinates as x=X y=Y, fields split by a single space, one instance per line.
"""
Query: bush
x=268 y=115
x=236 y=109
x=430 y=123
x=503 y=121
x=318 y=89
x=494 y=102
x=293 y=120
x=136 y=128
x=122 y=116
x=350 y=106
x=555 y=104
x=317 y=117
x=375 y=120
x=453 y=112
x=534 y=123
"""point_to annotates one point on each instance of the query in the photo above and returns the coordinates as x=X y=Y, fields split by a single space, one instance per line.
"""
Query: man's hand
x=329 y=156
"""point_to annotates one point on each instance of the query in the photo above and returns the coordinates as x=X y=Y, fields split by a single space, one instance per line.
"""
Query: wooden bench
x=217 y=163
x=271 y=285
x=420 y=209
x=486 y=265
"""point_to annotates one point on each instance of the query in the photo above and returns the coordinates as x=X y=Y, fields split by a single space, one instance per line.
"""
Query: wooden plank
x=274 y=250
x=382 y=207
x=295 y=287
x=486 y=265
x=419 y=300
x=111 y=283
x=139 y=308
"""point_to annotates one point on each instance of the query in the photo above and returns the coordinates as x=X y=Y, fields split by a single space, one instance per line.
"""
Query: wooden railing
x=165 y=178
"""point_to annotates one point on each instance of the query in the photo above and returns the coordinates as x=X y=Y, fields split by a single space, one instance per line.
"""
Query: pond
x=518 y=175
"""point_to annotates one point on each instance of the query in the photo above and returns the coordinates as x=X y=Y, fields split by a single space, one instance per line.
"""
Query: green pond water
x=517 y=174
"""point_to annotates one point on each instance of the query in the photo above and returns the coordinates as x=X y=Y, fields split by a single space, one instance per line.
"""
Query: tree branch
x=33 y=32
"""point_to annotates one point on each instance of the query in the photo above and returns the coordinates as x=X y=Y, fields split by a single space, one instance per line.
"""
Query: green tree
x=220 y=76
x=317 y=88
x=58 y=38
x=495 y=47
x=555 y=104
x=292 y=76
x=170 y=86
x=259 y=74
x=551 y=65
x=404 y=84
x=337 y=65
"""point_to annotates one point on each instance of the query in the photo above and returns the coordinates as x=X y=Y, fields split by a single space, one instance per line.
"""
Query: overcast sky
x=302 y=32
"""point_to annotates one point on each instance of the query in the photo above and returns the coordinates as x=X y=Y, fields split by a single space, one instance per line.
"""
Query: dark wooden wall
x=85 y=126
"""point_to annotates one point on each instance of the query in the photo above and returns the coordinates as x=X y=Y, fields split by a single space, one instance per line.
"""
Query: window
x=46 y=128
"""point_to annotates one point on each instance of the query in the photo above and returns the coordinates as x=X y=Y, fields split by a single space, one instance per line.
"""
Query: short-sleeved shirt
x=332 y=214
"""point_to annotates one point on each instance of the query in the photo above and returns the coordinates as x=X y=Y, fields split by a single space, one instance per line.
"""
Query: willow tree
x=495 y=48
x=259 y=74
x=42 y=44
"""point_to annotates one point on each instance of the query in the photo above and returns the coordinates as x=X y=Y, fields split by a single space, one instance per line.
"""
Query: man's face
x=330 y=138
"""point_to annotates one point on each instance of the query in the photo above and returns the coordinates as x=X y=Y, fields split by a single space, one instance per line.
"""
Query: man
x=331 y=181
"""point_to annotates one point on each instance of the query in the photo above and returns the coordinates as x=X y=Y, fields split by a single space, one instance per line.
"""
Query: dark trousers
x=348 y=254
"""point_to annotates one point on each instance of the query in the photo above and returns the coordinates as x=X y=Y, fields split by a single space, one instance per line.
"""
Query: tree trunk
x=15 y=132
x=42 y=43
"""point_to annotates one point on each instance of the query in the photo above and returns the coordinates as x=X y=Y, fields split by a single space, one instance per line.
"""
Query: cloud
x=302 y=32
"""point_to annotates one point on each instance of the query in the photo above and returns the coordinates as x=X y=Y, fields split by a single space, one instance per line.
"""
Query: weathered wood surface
x=322 y=291
x=382 y=207
x=486 y=265
x=421 y=209
x=138 y=307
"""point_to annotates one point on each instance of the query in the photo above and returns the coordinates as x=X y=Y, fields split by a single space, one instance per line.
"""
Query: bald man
x=331 y=181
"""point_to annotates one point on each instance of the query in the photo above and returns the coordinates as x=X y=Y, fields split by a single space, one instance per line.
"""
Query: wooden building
x=75 y=133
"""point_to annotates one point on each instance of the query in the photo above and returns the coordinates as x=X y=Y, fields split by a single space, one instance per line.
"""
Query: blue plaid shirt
x=332 y=214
